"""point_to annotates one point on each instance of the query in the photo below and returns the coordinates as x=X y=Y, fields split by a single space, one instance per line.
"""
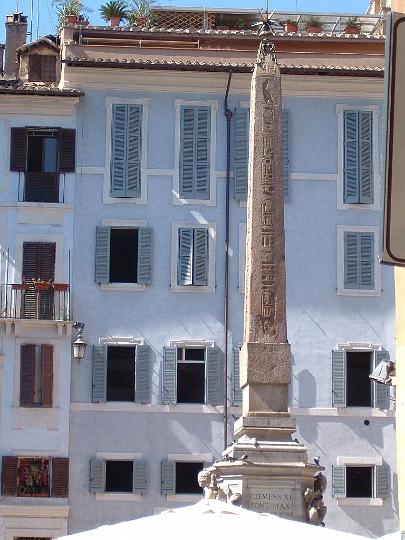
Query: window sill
x=360 y=501
x=354 y=412
x=109 y=199
x=358 y=292
x=184 y=498
x=58 y=206
x=192 y=289
x=132 y=497
x=358 y=206
x=127 y=287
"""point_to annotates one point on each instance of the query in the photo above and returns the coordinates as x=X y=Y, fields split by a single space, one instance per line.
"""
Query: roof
x=41 y=41
x=16 y=86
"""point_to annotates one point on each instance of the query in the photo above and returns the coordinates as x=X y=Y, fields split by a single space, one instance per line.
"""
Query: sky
x=47 y=17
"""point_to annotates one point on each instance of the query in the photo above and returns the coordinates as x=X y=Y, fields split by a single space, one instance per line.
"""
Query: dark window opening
x=118 y=476
x=190 y=375
x=42 y=176
x=358 y=381
x=186 y=477
x=359 y=481
x=42 y=67
x=123 y=255
x=120 y=373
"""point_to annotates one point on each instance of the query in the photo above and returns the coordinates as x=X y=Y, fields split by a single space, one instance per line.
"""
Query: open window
x=180 y=477
x=360 y=481
x=118 y=476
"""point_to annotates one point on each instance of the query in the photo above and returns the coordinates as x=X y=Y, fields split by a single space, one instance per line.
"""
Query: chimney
x=16 y=34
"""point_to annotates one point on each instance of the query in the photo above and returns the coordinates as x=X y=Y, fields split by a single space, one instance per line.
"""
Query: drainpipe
x=228 y=116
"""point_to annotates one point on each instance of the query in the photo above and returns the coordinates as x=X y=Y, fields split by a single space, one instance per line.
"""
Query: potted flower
x=353 y=26
x=313 y=25
x=114 y=11
x=290 y=25
x=141 y=13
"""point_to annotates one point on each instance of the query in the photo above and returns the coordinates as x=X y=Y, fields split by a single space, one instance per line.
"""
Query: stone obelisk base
x=264 y=470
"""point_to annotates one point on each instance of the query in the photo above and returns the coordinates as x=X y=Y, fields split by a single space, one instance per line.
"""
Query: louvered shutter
x=351 y=180
x=202 y=186
x=60 y=477
x=142 y=374
x=134 y=149
x=47 y=252
x=236 y=389
x=99 y=373
x=212 y=379
x=381 y=391
x=46 y=375
x=365 y=159
x=169 y=375
x=187 y=152
x=286 y=158
x=366 y=249
x=145 y=255
x=18 y=149
x=140 y=476
x=351 y=261
x=338 y=379
x=9 y=469
x=168 y=477
x=241 y=153
x=200 y=257
x=97 y=476
x=185 y=257
x=67 y=150
x=30 y=267
x=119 y=150
x=27 y=375
x=102 y=255
x=382 y=479
x=338 y=481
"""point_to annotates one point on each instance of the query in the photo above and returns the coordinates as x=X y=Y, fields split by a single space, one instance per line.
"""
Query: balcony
x=41 y=187
x=49 y=302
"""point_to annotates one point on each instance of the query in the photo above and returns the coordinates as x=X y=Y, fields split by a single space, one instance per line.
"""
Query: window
x=191 y=375
x=36 y=375
x=118 y=476
x=42 y=67
x=124 y=255
x=126 y=150
x=42 y=154
x=35 y=476
x=180 y=477
x=121 y=373
x=360 y=481
x=38 y=265
x=351 y=384
x=192 y=268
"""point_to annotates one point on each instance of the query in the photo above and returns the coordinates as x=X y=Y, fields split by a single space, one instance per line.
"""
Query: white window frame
x=340 y=109
x=107 y=197
x=123 y=224
x=177 y=200
x=242 y=256
x=341 y=291
x=210 y=288
x=119 y=456
x=360 y=461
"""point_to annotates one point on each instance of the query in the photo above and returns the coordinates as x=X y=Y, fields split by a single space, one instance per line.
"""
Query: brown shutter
x=47 y=261
x=47 y=374
x=9 y=475
x=18 y=149
x=30 y=269
x=39 y=261
x=34 y=70
x=60 y=477
x=67 y=150
x=27 y=375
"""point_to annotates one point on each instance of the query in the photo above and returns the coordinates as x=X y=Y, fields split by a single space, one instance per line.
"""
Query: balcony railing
x=51 y=303
x=42 y=187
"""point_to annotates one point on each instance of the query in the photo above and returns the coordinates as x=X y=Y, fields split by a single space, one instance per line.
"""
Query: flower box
x=42 y=286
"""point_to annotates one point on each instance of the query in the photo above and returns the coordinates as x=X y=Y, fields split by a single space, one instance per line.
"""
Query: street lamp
x=79 y=346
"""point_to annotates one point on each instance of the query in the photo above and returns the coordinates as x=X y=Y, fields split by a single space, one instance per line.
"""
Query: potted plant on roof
x=290 y=25
x=353 y=26
x=313 y=25
x=71 y=12
x=114 y=11
x=141 y=13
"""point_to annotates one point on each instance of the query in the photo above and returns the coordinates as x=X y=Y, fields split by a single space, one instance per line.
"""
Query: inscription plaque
x=277 y=501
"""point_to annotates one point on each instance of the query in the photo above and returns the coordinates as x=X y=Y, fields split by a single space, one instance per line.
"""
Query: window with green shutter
x=194 y=166
x=180 y=477
x=193 y=255
x=360 y=481
x=359 y=260
x=358 y=157
x=126 y=150
x=118 y=476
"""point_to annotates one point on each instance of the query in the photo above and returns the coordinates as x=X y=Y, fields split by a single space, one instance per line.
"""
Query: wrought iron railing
x=29 y=301
x=42 y=187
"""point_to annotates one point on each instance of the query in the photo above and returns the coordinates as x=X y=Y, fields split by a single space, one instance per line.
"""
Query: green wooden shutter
x=351 y=180
x=119 y=150
x=338 y=481
x=145 y=255
x=366 y=250
x=286 y=159
x=202 y=185
x=338 y=379
x=168 y=477
x=212 y=379
x=365 y=159
x=382 y=481
x=351 y=260
x=142 y=374
x=200 y=258
x=241 y=153
x=381 y=391
x=236 y=389
x=187 y=152
x=185 y=257
x=99 y=373
x=169 y=375
x=102 y=254
x=97 y=476
x=134 y=151
x=140 y=476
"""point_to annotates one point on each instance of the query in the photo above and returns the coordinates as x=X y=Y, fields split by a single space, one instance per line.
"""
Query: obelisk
x=264 y=469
